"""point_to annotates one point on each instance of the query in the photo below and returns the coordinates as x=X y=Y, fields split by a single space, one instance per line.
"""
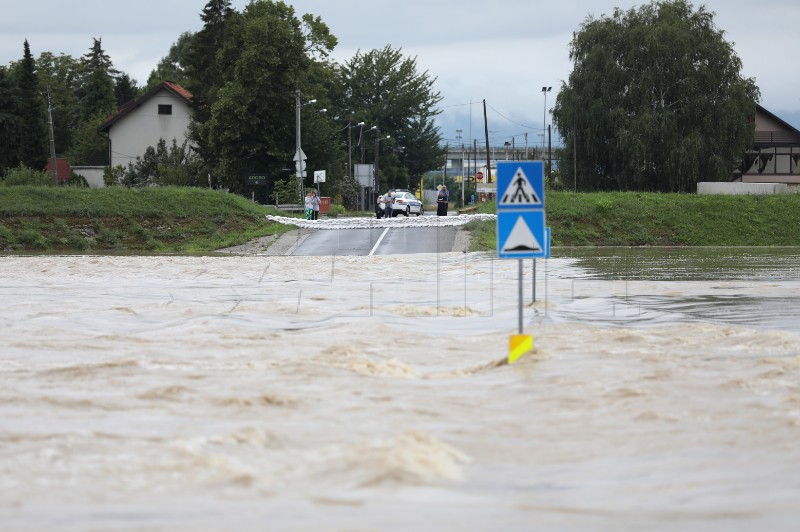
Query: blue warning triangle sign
x=520 y=234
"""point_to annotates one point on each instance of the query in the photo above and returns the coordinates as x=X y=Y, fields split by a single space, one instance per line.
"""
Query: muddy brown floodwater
x=371 y=393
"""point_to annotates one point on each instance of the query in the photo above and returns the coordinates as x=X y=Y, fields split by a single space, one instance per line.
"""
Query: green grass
x=652 y=219
x=193 y=220
x=159 y=220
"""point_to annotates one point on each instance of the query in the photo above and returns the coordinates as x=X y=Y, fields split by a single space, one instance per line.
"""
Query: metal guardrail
x=290 y=207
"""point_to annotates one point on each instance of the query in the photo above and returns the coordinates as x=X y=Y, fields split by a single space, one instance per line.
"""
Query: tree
x=97 y=83
x=11 y=123
x=97 y=102
x=59 y=75
x=176 y=166
x=125 y=89
x=655 y=101
x=33 y=137
x=384 y=89
x=204 y=75
x=266 y=56
x=173 y=66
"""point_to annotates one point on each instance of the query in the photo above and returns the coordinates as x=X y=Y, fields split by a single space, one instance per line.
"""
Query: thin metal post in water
x=533 y=300
x=520 y=294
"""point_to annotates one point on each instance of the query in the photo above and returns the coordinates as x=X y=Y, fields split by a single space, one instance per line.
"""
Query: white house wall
x=143 y=127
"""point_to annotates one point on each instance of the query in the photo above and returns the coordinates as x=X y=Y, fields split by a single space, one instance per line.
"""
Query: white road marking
x=378 y=243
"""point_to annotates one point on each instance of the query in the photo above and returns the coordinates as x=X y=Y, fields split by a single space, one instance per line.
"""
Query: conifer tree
x=10 y=123
x=97 y=85
x=33 y=138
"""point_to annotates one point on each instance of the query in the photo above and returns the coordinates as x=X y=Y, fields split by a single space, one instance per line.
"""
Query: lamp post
x=350 y=146
x=377 y=151
x=299 y=156
x=545 y=90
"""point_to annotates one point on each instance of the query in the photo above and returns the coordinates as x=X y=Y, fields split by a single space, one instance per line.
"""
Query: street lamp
x=545 y=90
x=350 y=146
x=299 y=156
x=377 y=140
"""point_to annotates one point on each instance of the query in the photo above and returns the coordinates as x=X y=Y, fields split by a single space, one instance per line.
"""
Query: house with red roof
x=164 y=112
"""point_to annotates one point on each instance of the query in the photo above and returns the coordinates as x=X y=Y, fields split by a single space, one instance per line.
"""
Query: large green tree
x=125 y=89
x=204 y=76
x=33 y=138
x=11 y=123
x=97 y=83
x=385 y=89
x=58 y=75
x=655 y=101
x=97 y=101
x=268 y=54
x=172 y=67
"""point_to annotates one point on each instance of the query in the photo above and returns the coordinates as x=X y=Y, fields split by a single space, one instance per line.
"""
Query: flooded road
x=371 y=393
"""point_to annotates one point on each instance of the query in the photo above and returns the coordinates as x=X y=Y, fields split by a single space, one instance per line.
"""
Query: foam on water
x=229 y=392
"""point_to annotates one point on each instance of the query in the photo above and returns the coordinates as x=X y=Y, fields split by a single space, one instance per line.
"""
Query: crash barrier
x=290 y=207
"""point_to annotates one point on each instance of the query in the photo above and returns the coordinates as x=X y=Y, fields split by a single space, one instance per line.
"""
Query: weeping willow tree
x=655 y=101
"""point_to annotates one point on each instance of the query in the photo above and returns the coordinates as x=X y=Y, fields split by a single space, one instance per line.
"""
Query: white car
x=406 y=203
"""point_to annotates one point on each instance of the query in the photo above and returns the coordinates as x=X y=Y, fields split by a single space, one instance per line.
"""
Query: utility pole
x=54 y=167
x=574 y=156
x=463 y=177
x=446 y=152
x=349 y=149
x=527 y=157
x=486 y=134
x=376 y=183
x=298 y=151
x=549 y=155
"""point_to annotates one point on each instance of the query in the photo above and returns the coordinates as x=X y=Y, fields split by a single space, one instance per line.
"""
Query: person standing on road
x=308 y=206
x=380 y=207
x=441 y=202
x=314 y=205
x=388 y=199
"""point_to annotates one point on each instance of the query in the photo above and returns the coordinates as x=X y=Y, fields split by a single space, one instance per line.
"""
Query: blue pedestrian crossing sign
x=520 y=210
x=521 y=235
x=520 y=185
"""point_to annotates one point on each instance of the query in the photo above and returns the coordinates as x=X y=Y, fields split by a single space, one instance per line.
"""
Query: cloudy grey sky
x=503 y=52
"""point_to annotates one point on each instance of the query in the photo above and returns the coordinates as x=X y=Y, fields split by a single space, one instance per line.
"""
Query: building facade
x=163 y=113
x=775 y=155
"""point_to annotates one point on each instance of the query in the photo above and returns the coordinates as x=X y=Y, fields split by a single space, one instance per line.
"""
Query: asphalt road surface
x=378 y=241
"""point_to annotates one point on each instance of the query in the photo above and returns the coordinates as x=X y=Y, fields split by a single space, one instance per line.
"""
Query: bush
x=336 y=210
x=22 y=175
x=76 y=180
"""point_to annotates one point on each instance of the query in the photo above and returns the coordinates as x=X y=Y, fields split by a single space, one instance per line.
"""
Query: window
x=164 y=109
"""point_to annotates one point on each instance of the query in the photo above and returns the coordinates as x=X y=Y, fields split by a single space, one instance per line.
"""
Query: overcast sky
x=503 y=52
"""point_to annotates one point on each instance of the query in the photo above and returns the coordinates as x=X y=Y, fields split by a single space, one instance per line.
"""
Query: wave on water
x=412 y=457
x=352 y=359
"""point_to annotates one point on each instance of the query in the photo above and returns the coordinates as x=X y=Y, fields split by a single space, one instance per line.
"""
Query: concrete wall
x=92 y=174
x=741 y=188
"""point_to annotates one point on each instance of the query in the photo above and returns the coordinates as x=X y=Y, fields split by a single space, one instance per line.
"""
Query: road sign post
x=520 y=221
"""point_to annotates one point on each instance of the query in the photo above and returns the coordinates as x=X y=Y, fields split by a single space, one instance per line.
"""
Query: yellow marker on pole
x=519 y=344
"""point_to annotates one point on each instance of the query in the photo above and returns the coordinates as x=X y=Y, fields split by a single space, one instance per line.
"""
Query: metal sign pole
x=534 y=282
x=519 y=274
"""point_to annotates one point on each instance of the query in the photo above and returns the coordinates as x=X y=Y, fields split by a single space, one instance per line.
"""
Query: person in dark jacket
x=442 y=201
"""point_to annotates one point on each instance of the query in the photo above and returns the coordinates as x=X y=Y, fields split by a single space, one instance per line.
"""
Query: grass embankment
x=651 y=219
x=157 y=220
x=193 y=220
